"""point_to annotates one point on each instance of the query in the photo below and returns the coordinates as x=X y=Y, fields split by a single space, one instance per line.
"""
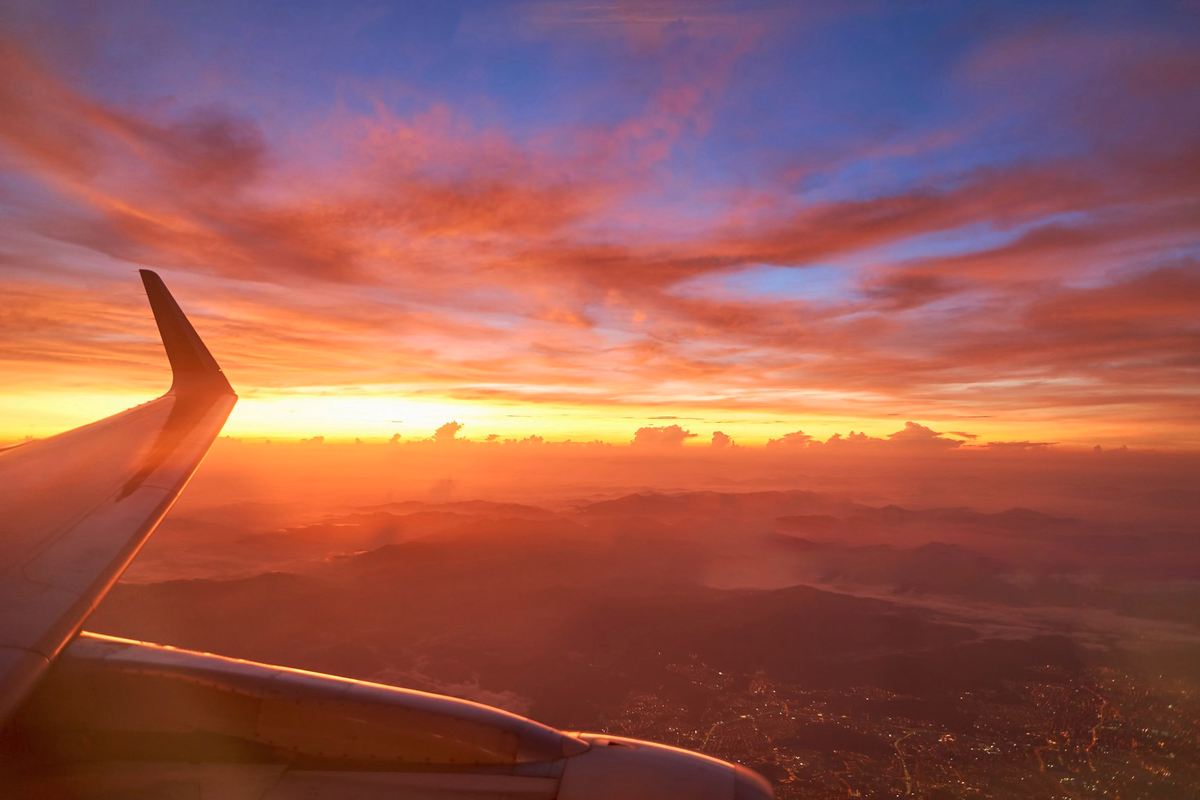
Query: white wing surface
x=75 y=508
x=116 y=718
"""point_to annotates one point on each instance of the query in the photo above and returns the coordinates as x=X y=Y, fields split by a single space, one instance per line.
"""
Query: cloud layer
x=607 y=211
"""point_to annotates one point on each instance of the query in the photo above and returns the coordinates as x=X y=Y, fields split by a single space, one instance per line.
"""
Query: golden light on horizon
x=375 y=414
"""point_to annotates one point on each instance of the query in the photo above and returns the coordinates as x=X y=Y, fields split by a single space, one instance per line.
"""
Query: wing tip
x=192 y=366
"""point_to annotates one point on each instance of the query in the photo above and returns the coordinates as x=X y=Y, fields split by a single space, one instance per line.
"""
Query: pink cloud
x=472 y=263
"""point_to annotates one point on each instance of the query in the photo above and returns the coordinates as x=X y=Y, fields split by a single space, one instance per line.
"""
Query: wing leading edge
x=75 y=508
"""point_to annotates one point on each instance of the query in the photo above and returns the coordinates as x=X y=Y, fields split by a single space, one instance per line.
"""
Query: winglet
x=193 y=367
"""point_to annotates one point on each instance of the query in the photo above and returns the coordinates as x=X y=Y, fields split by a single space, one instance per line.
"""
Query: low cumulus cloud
x=852 y=439
x=722 y=440
x=666 y=436
x=447 y=432
x=532 y=440
x=795 y=439
x=919 y=436
x=912 y=436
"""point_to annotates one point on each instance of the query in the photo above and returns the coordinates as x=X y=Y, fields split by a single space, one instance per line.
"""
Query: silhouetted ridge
x=465 y=507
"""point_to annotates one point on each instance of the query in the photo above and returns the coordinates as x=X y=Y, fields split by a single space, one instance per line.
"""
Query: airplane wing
x=93 y=717
x=75 y=508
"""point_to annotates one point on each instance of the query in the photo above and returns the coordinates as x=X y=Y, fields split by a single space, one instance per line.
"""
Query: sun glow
x=375 y=414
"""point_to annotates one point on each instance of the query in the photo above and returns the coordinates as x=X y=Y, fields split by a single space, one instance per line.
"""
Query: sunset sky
x=578 y=219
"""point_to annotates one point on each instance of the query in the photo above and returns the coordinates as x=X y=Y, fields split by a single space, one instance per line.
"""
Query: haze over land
x=801 y=611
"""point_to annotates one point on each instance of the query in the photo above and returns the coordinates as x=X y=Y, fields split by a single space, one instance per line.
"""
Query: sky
x=588 y=220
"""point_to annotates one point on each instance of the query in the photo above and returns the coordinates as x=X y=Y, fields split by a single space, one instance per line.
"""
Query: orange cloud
x=795 y=439
x=665 y=436
x=916 y=435
x=447 y=432
x=438 y=255
x=1019 y=446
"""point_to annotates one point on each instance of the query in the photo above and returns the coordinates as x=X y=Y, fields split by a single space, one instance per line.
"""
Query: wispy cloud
x=439 y=244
